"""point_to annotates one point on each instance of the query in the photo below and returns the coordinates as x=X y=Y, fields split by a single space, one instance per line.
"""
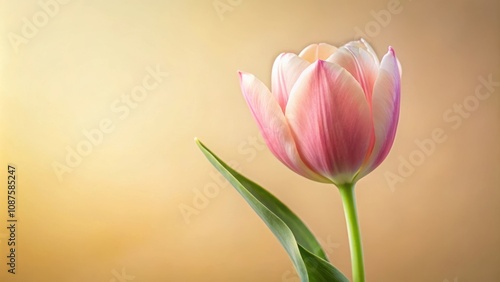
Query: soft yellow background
x=119 y=211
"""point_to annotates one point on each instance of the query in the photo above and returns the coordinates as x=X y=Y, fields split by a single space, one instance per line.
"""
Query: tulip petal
x=273 y=125
x=331 y=121
x=385 y=108
x=286 y=70
x=369 y=49
x=359 y=63
x=316 y=52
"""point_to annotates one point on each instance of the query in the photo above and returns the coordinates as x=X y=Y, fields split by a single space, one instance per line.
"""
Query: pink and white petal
x=359 y=63
x=370 y=50
x=399 y=68
x=385 y=108
x=361 y=43
x=286 y=70
x=273 y=125
x=330 y=120
x=316 y=52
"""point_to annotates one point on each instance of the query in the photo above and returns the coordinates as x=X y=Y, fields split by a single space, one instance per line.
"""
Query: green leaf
x=304 y=250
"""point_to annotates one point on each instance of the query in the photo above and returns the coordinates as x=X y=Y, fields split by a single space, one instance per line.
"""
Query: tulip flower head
x=331 y=114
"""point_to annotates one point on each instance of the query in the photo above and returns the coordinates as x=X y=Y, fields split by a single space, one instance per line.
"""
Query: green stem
x=349 y=202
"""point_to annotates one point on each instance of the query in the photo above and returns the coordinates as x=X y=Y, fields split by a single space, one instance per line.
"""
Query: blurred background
x=100 y=102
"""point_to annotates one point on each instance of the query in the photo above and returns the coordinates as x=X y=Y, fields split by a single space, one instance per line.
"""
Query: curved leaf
x=304 y=250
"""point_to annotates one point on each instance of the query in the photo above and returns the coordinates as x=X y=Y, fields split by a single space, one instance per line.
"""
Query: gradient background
x=120 y=209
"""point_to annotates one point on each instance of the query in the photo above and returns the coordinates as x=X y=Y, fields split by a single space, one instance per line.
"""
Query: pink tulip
x=332 y=113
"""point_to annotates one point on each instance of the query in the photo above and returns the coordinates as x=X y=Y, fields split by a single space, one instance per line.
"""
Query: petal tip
x=391 y=50
x=244 y=75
